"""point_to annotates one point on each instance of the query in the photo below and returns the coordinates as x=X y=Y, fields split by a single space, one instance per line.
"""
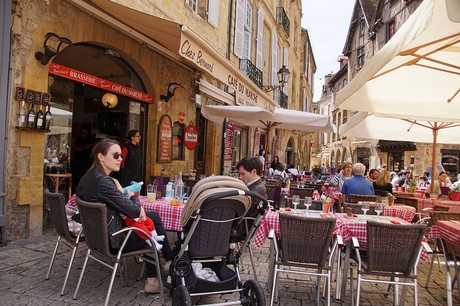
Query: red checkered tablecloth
x=430 y=203
x=407 y=213
x=447 y=230
x=170 y=215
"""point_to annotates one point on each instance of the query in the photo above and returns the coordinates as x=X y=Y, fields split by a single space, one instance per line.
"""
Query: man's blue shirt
x=358 y=184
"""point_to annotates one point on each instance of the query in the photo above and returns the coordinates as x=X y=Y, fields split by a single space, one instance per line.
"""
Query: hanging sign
x=228 y=144
x=274 y=147
x=191 y=137
x=164 y=153
x=256 y=142
x=181 y=116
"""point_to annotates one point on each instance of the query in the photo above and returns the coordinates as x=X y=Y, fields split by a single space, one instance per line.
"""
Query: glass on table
x=295 y=202
x=151 y=193
x=365 y=207
x=308 y=203
x=378 y=209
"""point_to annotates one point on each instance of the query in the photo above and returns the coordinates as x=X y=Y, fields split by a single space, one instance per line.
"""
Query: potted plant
x=454 y=194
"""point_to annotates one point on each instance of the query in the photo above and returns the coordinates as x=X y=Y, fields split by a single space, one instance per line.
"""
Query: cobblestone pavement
x=24 y=263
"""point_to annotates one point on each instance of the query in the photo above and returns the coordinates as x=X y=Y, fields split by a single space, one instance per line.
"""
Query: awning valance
x=176 y=39
x=394 y=146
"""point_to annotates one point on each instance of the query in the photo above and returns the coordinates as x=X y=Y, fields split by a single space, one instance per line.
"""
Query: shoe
x=152 y=285
x=167 y=265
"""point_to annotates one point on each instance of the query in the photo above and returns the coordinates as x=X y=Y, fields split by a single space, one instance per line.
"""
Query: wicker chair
x=355 y=198
x=315 y=204
x=356 y=208
x=393 y=252
x=94 y=221
x=56 y=203
x=302 y=192
x=306 y=243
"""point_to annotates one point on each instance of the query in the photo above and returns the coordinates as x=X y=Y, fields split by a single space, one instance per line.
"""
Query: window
x=247 y=34
x=391 y=29
x=178 y=141
x=362 y=26
x=360 y=61
x=193 y=4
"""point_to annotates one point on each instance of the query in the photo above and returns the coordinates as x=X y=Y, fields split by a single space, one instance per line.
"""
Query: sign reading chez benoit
x=244 y=94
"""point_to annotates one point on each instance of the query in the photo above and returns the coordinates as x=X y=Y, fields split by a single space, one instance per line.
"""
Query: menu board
x=256 y=142
x=274 y=147
x=164 y=153
x=228 y=145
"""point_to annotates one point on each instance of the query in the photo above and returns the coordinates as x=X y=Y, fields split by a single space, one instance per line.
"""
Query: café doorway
x=81 y=117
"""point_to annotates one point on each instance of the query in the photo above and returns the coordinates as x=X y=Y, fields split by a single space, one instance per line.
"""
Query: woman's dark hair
x=132 y=133
x=102 y=147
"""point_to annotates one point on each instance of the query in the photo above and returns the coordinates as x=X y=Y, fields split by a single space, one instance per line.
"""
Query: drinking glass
x=378 y=209
x=365 y=207
x=295 y=202
x=308 y=203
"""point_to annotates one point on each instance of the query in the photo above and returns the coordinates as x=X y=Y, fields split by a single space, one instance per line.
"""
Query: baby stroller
x=206 y=263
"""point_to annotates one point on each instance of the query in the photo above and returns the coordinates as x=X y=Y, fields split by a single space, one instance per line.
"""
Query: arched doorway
x=80 y=118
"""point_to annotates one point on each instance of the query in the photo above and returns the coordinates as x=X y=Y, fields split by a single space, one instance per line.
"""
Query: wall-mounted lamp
x=283 y=78
x=52 y=45
x=109 y=100
x=171 y=89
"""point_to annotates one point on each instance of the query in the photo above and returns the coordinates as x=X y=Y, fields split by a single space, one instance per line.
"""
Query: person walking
x=131 y=166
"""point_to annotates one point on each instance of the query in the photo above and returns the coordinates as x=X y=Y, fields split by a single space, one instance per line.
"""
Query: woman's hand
x=142 y=216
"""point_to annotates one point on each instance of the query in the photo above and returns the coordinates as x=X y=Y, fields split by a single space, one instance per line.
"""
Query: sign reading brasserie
x=164 y=153
x=88 y=79
x=245 y=93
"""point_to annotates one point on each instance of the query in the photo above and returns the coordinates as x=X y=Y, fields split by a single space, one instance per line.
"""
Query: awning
x=168 y=36
x=396 y=146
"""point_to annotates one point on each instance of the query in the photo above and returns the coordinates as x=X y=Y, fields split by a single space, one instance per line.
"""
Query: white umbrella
x=417 y=72
x=416 y=75
x=281 y=118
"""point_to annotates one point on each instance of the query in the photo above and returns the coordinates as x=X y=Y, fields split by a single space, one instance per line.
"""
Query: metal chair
x=393 y=252
x=94 y=221
x=306 y=243
x=56 y=203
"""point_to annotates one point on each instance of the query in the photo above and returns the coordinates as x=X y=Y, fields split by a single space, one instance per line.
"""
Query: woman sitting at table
x=441 y=181
x=97 y=186
x=383 y=182
x=342 y=176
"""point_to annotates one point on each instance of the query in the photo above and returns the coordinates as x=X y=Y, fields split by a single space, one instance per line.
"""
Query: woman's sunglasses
x=118 y=155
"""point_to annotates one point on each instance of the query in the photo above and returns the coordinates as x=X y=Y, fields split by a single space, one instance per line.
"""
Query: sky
x=327 y=22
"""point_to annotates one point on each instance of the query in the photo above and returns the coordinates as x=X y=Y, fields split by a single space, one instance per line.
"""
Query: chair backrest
x=355 y=198
x=382 y=193
x=393 y=248
x=270 y=191
x=437 y=207
x=305 y=240
x=436 y=215
x=56 y=203
x=356 y=208
x=93 y=218
x=302 y=192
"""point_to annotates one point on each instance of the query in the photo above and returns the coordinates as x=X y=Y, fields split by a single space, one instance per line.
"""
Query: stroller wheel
x=253 y=293
x=181 y=297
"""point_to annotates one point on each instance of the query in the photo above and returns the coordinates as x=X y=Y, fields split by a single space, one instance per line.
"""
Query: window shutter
x=275 y=58
x=260 y=38
x=239 y=28
x=213 y=13
x=286 y=57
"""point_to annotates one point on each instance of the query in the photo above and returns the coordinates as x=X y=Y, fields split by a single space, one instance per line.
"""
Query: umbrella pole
x=433 y=159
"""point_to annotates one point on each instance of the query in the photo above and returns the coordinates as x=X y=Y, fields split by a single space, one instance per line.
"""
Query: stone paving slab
x=24 y=263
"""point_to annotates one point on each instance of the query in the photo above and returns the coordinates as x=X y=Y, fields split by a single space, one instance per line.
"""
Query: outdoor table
x=170 y=215
x=430 y=203
x=449 y=232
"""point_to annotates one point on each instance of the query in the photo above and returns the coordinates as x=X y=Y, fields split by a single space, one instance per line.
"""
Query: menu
x=164 y=153
x=228 y=145
x=256 y=142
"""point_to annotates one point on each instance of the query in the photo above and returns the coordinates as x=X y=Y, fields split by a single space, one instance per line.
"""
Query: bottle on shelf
x=48 y=117
x=22 y=119
x=39 y=119
x=179 y=187
x=31 y=117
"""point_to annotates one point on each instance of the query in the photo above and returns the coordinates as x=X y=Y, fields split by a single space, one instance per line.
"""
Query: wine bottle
x=39 y=122
x=22 y=119
x=31 y=117
x=48 y=117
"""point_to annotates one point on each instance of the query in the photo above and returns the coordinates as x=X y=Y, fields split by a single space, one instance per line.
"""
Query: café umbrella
x=281 y=118
x=415 y=77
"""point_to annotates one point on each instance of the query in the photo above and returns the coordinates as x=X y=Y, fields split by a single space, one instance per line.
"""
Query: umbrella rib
x=412 y=50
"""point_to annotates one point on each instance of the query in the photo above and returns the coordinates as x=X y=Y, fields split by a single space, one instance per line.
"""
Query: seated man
x=249 y=171
x=358 y=184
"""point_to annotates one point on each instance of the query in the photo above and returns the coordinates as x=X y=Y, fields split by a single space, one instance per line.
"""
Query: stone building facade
x=72 y=49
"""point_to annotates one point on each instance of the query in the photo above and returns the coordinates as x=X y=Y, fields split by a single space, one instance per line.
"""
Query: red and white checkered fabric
x=430 y=203
x=407 y=213
x=170 y=215
x=447 y=230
